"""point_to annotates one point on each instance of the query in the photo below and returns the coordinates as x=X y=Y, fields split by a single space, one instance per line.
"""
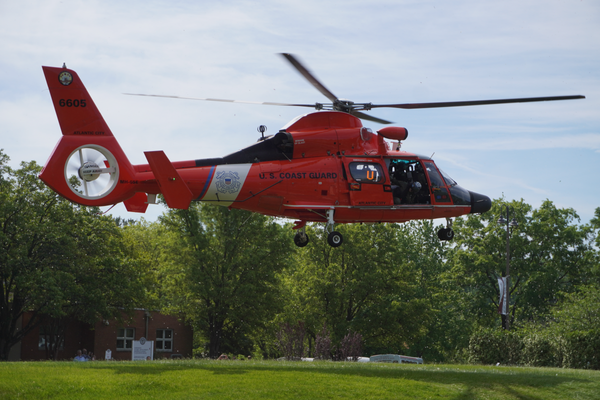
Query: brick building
x=172 y=338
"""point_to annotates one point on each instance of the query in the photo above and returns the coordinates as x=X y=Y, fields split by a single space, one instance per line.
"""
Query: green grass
x=195 y=379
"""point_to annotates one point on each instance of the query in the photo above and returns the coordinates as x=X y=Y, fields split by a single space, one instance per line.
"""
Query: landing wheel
x=445 y=234
x=301 y=239
x=335 y=239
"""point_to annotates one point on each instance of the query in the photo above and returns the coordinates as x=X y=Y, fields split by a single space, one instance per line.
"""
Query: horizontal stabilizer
x=176 y=193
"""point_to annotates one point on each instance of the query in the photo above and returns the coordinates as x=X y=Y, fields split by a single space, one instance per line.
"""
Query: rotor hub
x=89 y=171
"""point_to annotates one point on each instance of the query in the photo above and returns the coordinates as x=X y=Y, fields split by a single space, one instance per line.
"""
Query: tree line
x=238 y=279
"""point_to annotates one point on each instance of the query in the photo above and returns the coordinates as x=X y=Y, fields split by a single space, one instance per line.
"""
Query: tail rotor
x=92 y=172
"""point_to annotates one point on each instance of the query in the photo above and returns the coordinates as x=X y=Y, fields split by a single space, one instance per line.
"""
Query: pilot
x=423 y=196
x=413 y=192
x=399 y=181
x=403 y=188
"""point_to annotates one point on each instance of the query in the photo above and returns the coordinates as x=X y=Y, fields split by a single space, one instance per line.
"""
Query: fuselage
x=319 y=162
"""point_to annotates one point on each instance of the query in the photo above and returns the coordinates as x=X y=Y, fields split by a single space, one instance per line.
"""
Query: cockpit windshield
x=449 y=181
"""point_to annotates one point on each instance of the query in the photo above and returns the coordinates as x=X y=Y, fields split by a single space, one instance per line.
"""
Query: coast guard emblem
x=228 y=182
x=65 y=78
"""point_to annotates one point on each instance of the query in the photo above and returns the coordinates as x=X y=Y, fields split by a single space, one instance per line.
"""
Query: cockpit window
x=366 y=172
x=449 y=181
x=434 y=176
x=438 y=187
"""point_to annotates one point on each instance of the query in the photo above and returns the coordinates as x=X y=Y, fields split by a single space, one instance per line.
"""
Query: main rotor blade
x=309 y=76
x=222 y=100
x=476 y=102
x=371 y=118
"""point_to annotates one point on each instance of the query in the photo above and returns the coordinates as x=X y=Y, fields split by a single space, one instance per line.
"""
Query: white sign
x=142 y=350
x=107 y=354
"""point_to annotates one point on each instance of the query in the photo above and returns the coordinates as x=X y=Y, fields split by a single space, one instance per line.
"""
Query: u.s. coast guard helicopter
x=324 y=166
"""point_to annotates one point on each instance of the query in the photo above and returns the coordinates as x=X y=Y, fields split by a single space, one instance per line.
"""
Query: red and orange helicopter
x=324 y=166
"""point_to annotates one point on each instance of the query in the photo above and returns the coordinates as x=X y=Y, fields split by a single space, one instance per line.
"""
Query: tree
x=224 y=267
x=366 y=286
x=550 y=255
x=57 y=260
x=579 y=311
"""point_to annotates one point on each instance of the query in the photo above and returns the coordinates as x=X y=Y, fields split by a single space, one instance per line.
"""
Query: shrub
x=581 y=349
x=323 y=344
x=350 y=347
x=540 y=350
x=491 y=346
x=290 y=340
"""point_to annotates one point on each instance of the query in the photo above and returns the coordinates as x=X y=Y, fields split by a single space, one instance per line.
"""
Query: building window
x=164 y=339
x=48 y=339
x=125 y=338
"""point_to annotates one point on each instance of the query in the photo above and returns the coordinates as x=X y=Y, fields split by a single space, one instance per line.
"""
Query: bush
x=350 y=347
x=581 y=349
x=323 y=344
x=544 y=348
x=290 y=340
x=492 y=346
x=540 y=350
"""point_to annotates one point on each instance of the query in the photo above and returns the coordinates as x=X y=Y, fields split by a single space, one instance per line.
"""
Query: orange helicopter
x=324 y=166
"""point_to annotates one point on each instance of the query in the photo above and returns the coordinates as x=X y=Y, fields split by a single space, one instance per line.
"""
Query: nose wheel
x=446 y=233
x=301 y=238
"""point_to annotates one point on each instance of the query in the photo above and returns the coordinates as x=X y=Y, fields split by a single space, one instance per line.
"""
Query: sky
x=380 y=51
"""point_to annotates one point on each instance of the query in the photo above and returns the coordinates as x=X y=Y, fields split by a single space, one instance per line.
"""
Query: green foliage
x=57 y=259
x=367 y=285
x=224 y=272
x=236 y=277
x=540 y=348
x=581 y=349
x=579 y=311
x=536 y=348
x=492 y=346
x=550 y=255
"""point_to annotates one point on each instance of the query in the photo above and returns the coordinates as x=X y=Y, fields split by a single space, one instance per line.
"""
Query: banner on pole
x=502 y=303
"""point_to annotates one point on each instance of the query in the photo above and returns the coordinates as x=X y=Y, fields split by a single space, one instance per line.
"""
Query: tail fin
x=87 y=165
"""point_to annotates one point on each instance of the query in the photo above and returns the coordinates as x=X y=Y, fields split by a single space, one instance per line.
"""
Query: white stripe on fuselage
x=226 y=184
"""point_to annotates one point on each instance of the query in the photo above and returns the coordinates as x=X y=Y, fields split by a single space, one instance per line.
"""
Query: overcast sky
x=367 y=51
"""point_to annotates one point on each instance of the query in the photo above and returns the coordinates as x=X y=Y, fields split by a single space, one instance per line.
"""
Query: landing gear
x=446 y=233
x=334 y=239
x=301 y=238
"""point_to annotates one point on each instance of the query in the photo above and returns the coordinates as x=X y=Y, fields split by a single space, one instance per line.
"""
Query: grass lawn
x=195 y=379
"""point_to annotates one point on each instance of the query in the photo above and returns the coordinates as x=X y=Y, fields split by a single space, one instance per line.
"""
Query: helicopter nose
x=479 y=203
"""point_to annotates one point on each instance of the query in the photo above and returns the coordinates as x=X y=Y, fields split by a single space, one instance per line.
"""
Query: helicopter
x=323 y=166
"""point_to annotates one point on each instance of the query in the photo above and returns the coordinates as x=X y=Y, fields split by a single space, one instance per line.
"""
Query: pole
x=507 y=270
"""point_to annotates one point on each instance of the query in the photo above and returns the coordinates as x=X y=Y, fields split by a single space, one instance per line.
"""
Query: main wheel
x=301 y=239
x=446 y=234
x=335 y=239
